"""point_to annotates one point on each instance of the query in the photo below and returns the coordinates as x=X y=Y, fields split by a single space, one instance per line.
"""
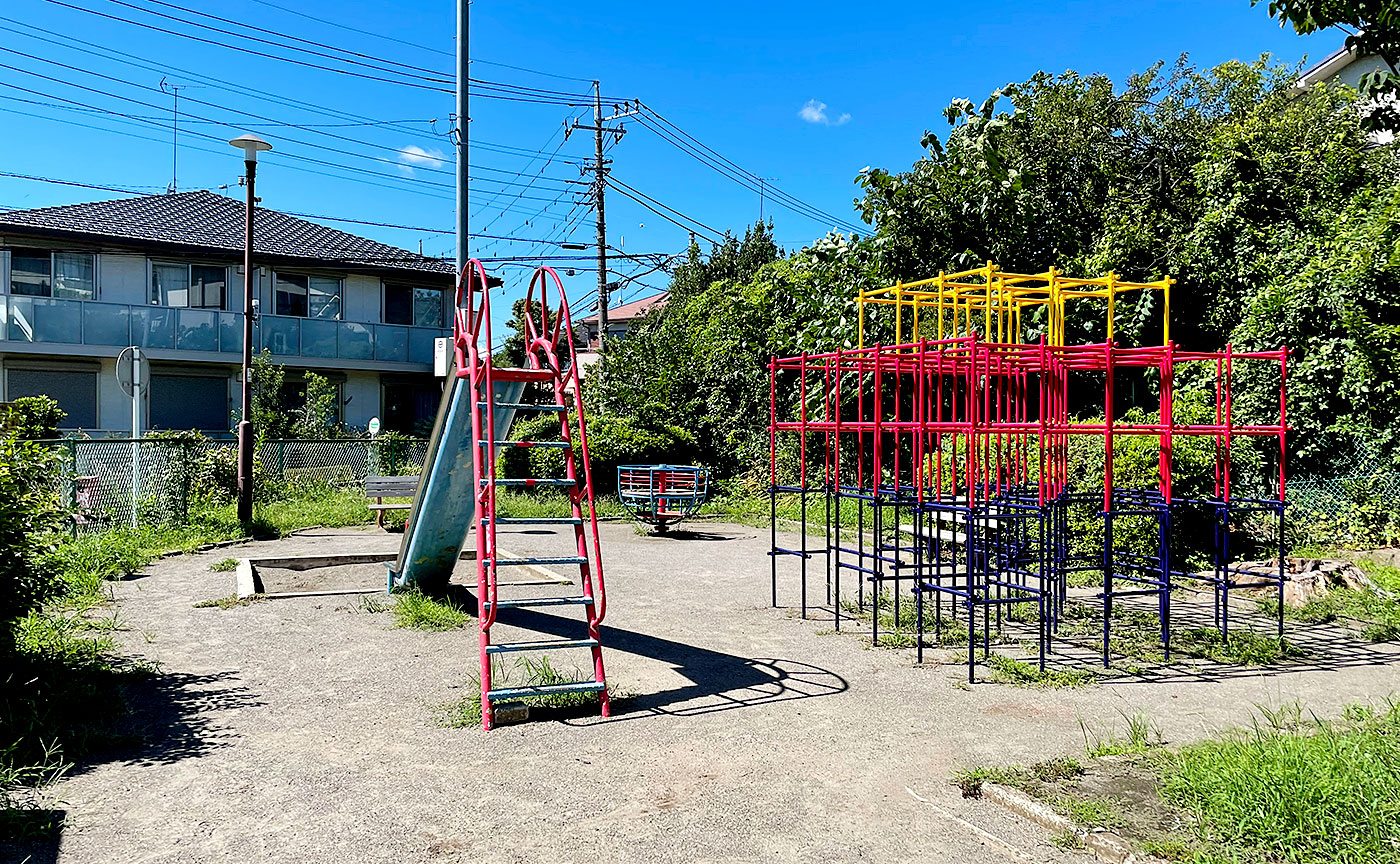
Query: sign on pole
x=373 y=426
x=132 y=376
x=442 y=356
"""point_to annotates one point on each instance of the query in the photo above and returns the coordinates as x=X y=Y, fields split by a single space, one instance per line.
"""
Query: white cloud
x=815 y=112
x=414 y=155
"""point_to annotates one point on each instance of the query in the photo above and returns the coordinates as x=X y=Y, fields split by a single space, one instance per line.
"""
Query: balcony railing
x=89 y=322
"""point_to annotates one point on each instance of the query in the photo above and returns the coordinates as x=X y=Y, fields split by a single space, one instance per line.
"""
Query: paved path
x=303 y=730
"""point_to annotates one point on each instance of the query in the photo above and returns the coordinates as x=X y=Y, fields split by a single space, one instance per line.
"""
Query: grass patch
x=1057 y=769
x=1022 y=674
x=373 y=604
x=1375 y=616
x=224 y=565
x=1295 y=789
x=1067 y=840
x=1290 y=789
x=417 y=611
x=232 y=601
x=970 y=780
x=1136 y=635
x=1143 y=735
x=1088 y=812
x=61 y=696
x=525 y=672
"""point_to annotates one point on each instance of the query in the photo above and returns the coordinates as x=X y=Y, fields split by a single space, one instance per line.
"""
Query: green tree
x=1373 y=29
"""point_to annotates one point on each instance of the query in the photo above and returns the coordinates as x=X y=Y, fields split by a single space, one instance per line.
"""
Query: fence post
x=186 y=469
x=282 y=460
x=72 y=447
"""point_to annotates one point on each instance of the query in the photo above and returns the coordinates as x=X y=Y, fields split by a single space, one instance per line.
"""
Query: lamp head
x=251 y=145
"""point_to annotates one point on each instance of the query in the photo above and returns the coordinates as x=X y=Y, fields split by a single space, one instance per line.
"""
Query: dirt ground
x=307 y=729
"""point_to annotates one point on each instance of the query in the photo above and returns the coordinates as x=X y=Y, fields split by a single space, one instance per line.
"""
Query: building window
x=303 y=296
x=423 y=307
x=409 y=406
x=190 y=402
x=74 y=391
x=41 y=273
x=194 y=286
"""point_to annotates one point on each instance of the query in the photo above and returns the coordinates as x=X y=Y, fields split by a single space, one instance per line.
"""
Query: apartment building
x=80 y=282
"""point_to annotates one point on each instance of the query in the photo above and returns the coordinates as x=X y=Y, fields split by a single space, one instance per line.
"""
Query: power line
x=490 y=89
x=707 y=155
x=639 y=197
x=377 y=224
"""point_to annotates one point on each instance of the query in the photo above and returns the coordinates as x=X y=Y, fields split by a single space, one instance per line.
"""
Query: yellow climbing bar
x=994 y=303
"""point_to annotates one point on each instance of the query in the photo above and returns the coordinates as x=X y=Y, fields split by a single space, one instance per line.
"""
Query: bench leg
x=379 y=514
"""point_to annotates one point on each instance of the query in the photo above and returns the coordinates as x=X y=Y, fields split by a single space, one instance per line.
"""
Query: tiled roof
x=628 y=311
x=206 y=221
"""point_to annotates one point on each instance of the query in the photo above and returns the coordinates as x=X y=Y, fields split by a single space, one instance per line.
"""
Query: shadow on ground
x=718 y=681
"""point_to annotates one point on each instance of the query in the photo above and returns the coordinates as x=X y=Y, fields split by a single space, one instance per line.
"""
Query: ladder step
x=537 y=520
x=553 y=445
x=527 y=406
x=522 y=375
x=528 y=481
x=544 y=645
x=541 y=601
x=547 y=559
x=545 y=690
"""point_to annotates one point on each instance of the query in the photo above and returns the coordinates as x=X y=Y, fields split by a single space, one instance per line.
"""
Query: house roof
x=205 y=221
x=635 y=309
x=1325 y=68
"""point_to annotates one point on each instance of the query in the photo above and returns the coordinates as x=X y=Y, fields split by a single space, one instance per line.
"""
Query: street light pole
x=251 y=145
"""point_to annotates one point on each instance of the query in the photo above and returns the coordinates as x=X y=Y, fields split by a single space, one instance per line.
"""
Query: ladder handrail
x=468 y=324
x=550 y=345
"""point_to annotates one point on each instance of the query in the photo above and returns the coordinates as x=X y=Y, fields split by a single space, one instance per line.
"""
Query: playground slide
x=445 y=503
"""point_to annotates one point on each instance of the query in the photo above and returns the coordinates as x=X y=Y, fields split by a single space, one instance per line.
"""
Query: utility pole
x=600 y=185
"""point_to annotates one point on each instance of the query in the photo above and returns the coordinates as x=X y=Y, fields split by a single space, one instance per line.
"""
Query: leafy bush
x=29 y=518
x=32 y=417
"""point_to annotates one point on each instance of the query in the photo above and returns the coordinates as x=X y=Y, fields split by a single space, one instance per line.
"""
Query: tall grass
x=1297 y=789
x=417 y=611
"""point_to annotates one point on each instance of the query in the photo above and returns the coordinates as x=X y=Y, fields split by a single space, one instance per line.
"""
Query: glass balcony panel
x=391 y=344
x=318 y=338
x=106 y=324
x=197 y=330
x=41 y=319
x=231 y=333
x=281 y=335
x=420 y=344
x=355 y=341
x=153 y=326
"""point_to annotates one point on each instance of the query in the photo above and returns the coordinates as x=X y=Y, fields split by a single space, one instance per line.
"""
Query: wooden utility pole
x=600 y=183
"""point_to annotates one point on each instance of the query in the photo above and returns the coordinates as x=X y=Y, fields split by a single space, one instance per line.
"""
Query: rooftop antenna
x=166 y=86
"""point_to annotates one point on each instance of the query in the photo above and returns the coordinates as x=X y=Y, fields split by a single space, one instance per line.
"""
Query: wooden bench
x=380 y=488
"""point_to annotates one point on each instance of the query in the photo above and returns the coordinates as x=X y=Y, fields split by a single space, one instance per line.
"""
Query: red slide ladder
x=543 y=341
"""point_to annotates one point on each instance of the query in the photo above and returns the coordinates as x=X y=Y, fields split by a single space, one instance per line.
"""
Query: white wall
x=362 y=298
x=362 y=389
x=122 y=279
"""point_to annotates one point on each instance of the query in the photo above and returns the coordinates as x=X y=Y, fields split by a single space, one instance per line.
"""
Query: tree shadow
x=31 y=836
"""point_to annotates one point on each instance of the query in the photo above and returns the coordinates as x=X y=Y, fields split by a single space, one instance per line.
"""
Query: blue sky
x=807 y=93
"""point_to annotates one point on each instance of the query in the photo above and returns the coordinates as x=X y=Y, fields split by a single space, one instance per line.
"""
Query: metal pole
x=135 y=435
x=602 y=218
x=463 y=119
x=245 y=421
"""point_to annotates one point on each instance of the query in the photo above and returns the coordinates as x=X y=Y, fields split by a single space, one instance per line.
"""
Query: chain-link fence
x=160 y=479
x=1359 y=508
